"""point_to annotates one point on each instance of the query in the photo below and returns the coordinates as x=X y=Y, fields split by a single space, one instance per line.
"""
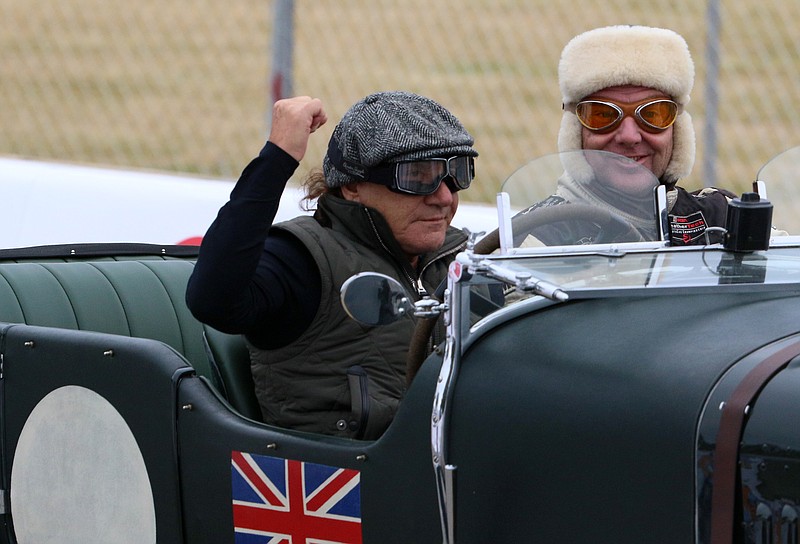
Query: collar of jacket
x=368 y=226
x=573 y=191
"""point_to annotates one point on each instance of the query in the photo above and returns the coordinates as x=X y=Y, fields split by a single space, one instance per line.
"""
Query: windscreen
x=582 y=197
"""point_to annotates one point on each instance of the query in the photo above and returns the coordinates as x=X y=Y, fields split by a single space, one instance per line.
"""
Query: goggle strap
x=351 y=168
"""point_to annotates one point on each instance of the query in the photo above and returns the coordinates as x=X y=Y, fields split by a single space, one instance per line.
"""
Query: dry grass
x=183 y=85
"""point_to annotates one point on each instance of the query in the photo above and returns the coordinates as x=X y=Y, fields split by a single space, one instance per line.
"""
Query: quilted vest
x=340 y=377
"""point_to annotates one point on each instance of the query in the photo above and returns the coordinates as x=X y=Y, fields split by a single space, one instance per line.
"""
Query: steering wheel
x=612 y=227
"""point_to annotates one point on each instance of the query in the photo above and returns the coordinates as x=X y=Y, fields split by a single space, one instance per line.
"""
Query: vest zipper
x=435 y=335
x=439 y=257
x=416 y=284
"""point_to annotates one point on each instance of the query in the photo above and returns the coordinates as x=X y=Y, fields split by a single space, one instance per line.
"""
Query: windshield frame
x=634 y=269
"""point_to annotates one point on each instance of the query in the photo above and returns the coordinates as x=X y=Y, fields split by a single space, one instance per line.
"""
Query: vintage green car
x=619 y=391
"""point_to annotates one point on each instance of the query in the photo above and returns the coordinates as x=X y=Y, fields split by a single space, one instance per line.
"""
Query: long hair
x=315 y=186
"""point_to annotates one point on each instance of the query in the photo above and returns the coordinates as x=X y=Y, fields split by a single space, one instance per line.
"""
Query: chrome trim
x=662 y=212
x=784 y=241
x=443 y=471
x=620 y=248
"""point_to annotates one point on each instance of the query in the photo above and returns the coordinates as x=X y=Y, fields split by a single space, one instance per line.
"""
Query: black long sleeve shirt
x=250 y=280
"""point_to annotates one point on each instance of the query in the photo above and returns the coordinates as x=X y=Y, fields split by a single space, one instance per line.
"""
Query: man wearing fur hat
x=624 y=90
x=385 y=199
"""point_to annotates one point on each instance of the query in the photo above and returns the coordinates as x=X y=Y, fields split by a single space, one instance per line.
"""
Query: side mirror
x=374 y=299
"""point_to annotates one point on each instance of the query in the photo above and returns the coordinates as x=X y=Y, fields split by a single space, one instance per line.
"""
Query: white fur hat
x=629 y=55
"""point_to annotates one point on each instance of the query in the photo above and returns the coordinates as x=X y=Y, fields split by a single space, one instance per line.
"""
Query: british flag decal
x=283 y=501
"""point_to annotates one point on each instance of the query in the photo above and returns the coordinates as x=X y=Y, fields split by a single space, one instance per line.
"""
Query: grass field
x=184 y=85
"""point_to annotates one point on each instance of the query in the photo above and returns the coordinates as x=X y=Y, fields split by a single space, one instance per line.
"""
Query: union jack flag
x=283 y=501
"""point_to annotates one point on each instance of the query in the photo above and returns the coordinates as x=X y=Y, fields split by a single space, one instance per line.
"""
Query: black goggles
x=423 y=177
x=604 y=116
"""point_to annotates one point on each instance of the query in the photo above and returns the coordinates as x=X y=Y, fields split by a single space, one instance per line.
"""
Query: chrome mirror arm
x=429 y=307
x=523 y=281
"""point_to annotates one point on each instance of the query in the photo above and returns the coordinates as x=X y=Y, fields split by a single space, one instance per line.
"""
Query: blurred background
x=187 y=85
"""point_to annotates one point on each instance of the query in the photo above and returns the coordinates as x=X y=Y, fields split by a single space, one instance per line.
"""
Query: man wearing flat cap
x=624 y=90
x=385 y=199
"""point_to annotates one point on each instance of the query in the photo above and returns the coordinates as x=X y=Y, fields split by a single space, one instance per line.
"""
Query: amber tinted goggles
x=604 y=116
